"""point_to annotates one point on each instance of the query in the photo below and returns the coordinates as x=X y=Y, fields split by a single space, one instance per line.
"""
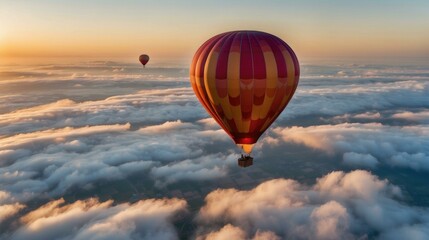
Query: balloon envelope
x=244 y=79
x=144 y=59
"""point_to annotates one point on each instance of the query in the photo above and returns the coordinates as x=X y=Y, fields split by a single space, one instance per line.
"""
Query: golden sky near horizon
x=173 y=30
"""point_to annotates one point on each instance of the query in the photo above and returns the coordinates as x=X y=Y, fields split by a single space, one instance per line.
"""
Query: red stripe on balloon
x=236 y=43
x=245 y=138
x=232 y=125
x=256 y=125
x=246 y=66
x=280 y=60
x=259 y=71
x=222 y=62
x=246 y=97
x=281 y=91
x=235 y=101
x=236 y=47
x=246 y=77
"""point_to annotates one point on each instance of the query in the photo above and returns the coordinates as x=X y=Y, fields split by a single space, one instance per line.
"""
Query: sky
x=173 y=30
x=93 y=146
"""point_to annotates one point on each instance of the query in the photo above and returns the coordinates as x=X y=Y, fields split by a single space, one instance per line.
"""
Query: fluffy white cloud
x=48 y=163
x=364 y=145
x=92 y=219
x=8 y=206
x=142 y=108
x=166 y=127
x=31 y=140
x=232 y=232
x=5 y=197
x=422 y=116
x=226 y=232
x=339 y=206
x=56 y=160
x=337 y=96
x=265 y=235
x=8 y=210
x=366 y=116
x=359 y=160
x=203 y=168
x=330 y=221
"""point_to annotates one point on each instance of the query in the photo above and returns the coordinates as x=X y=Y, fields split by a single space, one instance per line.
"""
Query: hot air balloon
x=144 y=59
x=244 y=79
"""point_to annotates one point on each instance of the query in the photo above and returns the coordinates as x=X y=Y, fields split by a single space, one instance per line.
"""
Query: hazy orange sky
x=173 y=30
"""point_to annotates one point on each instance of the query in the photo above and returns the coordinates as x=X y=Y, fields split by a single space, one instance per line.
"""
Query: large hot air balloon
x=144 y=59
x=244 y=79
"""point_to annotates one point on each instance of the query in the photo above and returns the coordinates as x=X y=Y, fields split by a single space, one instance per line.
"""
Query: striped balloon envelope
x=244 y=79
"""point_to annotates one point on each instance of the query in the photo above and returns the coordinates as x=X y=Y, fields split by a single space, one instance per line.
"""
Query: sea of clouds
x=64 y=128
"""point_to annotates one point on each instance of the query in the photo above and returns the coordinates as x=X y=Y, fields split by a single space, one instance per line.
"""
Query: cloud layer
x=92 y=219
x=68 y=130
x=339 y=205
x=364 y=145
x=142 y=108
x=354 y=205
x=49 y=163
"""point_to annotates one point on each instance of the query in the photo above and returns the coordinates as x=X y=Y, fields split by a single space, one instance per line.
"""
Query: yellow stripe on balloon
x=243 y=126
x=271 y=81
x=224 y=104
x=255 y=111
x=233 y=75
x=236 y=113
x=210 y=77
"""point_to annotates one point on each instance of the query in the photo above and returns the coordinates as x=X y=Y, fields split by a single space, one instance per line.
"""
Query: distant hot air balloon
x=244 y=79
x=144 y=59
